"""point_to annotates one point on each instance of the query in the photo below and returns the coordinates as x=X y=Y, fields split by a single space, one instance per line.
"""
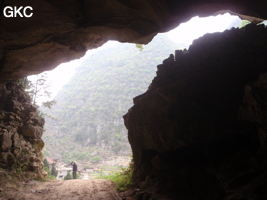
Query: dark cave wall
x=63 y=30
x=21 y=130
x=200 y=129
x=60 y=31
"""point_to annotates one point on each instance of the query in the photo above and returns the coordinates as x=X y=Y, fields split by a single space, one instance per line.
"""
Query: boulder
x=5 y=140
x=32 y=131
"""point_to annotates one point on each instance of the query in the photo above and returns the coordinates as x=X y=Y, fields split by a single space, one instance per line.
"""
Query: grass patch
x=122 y=179
x=111 y=167
x=51 y=177
x=94 y=174
x=48 y=178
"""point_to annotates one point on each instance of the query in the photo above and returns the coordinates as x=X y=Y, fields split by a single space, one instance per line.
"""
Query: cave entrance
x=93 y=93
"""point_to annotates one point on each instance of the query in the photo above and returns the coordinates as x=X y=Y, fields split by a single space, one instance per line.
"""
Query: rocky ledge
x=21 y=130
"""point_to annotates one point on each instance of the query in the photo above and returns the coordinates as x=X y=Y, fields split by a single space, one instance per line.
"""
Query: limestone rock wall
x=200 y=129
x=21 y=130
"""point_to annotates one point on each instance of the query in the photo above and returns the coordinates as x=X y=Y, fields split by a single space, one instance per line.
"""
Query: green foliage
x=24 y=83
x=244 y=23
x=68 y=177
x=78 y=175
x=39 y=89
x=49 y=104
x=122 y=179
x=53 y=170
x=49 y=176
x=95 y=159
x=46 y=166
x=140 y=47
x=90 y=107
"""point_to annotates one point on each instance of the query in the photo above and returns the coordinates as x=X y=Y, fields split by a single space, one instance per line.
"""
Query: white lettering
x=8 y=13
x=17 y=11
x=24 y=11
x=20 y=11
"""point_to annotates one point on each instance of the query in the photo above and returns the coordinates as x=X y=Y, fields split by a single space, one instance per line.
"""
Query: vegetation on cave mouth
x=86 y=123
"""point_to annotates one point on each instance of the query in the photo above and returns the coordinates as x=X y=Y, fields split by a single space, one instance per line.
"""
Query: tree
x=39 y=89
x=68 y=177
x=46 y=166
x=53 y=170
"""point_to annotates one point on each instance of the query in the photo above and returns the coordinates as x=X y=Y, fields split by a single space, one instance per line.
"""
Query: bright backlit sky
x=185 y=33
x=196 y=27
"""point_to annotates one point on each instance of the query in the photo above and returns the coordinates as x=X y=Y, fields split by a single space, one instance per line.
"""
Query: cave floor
x=95 y=189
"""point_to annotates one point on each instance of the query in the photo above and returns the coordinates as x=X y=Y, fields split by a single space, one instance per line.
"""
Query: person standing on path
x=74 y=169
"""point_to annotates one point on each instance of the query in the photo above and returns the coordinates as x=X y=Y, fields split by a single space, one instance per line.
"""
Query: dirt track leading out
x=94 y=189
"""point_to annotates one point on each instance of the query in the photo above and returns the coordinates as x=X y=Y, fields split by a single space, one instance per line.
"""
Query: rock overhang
x=60 y=31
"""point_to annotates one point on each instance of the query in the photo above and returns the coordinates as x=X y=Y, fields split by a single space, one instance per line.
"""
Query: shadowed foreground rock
x=200 y=129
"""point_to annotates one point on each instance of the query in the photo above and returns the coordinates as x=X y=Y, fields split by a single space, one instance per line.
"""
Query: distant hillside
x=90 y=107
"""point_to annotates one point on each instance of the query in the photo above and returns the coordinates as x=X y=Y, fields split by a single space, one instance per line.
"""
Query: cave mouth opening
x=66 y=136
x=32 y=161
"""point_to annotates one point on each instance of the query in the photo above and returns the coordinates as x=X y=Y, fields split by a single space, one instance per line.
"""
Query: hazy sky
x=185 y=33
x=196 y=27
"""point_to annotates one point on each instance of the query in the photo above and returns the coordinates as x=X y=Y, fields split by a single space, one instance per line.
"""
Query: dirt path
x=94 y=189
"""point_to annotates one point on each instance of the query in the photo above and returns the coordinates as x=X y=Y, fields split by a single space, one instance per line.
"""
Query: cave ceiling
x=63 y=30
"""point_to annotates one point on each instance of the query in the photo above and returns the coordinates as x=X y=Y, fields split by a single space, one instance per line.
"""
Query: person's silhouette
x=74 y=169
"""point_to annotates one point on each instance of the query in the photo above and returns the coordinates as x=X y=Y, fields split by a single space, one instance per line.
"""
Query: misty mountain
x=90 y=107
